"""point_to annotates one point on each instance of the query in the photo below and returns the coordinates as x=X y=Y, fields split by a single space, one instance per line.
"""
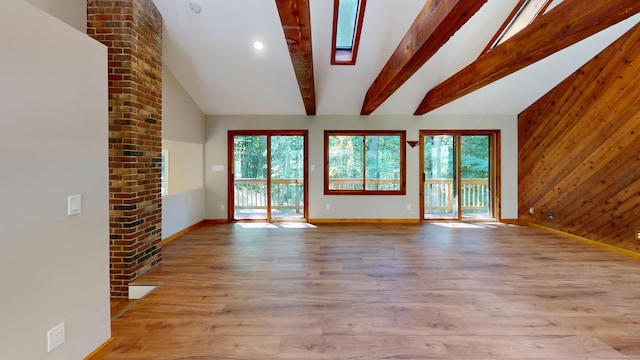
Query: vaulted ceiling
x=415 y=56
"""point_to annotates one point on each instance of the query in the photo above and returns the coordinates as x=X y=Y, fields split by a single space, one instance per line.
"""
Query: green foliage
x=287 y=157
x=475 y=157
x=345 y=157
x=383 y=157
x=346 y=154
x=250 y=157
x=439 y=156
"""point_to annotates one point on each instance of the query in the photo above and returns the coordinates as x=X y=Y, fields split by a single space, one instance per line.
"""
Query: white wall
x=363 y=207
x=182 y=119
x=185 y=166
x=183 y=136
x=72 y=12
x=54 y=268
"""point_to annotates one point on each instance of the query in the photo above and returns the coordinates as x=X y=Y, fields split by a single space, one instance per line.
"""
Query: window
x=364 y=162
x=524 y=13
x=347 y=23
x=164 y=173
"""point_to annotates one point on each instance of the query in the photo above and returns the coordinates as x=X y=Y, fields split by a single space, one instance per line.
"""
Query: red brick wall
x=132 y=30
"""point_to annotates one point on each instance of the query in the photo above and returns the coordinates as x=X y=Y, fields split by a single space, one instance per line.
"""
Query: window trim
x=403 y=158
x=495 y=166
x=350 y=55
x=231 y=134
x=511 y=19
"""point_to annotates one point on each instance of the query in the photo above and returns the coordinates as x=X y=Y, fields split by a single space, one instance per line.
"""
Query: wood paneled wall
x=579 y=150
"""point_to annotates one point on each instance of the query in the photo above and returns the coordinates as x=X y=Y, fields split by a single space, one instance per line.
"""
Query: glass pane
x=164 y=175
x=346 y=162
x=347 y=15
x=475 y=186
x=527 y=14
x=250 y=177
x=440 y=190
x=383 y=162
x=287 y=177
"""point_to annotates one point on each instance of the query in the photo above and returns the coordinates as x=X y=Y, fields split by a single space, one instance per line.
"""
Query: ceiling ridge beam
x=296 y=24
x=433 y=27
x=566 y=24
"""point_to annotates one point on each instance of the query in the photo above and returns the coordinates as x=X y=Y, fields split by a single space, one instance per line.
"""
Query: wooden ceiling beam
x=566 y=24
x=296 y=24
x=433 y=27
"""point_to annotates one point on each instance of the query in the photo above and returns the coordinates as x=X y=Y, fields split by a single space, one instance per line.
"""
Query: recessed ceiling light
x=258 y=45
x=195 y=7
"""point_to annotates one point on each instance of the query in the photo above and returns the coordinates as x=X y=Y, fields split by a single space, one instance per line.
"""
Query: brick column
x=132 y=30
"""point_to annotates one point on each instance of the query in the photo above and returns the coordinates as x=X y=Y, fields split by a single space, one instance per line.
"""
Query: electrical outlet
x=638 y=234
x=327 y=207
x=55 y=337
x=408 y=207
x=221 y=207
x=531 y=211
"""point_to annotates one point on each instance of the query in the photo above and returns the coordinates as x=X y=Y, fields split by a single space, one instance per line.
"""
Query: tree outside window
x=365 y=162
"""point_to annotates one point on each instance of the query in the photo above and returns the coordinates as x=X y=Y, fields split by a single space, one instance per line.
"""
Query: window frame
x=511 y=19
x=364 y=133
x=346 y=56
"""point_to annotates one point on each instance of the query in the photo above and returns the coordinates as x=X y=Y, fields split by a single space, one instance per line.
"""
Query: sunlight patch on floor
x=140 y=291
x=297 y=225
x=257 y=225
x=459 y=225
x=287 y=225
x=473 y=225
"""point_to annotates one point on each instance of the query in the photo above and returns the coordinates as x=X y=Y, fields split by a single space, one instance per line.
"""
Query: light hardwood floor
x=387 y=291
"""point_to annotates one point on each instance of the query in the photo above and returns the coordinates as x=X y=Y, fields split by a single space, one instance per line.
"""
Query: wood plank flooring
x=387 y=291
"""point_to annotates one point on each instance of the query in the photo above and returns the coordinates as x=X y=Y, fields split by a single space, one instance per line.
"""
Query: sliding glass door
x=440 y=190
x=287 y=182
x=458 y=175
x=267 y=175
x=249 y=177
x=475 y=177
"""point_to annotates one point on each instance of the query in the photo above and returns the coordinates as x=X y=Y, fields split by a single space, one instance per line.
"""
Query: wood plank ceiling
x=563 y=26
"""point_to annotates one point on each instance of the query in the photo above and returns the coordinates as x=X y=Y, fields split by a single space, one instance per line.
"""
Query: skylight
x=524 y=13
x=347 y=23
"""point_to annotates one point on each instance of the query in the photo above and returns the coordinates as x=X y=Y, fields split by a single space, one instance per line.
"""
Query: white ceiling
x=212 y=55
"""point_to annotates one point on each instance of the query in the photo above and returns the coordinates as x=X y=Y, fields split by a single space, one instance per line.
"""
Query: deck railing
x=474 y=194
x=252 y=194
x=287 y=193
x=356 y=184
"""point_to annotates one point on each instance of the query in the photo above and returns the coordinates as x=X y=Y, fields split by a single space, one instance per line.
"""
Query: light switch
x=74 y=204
